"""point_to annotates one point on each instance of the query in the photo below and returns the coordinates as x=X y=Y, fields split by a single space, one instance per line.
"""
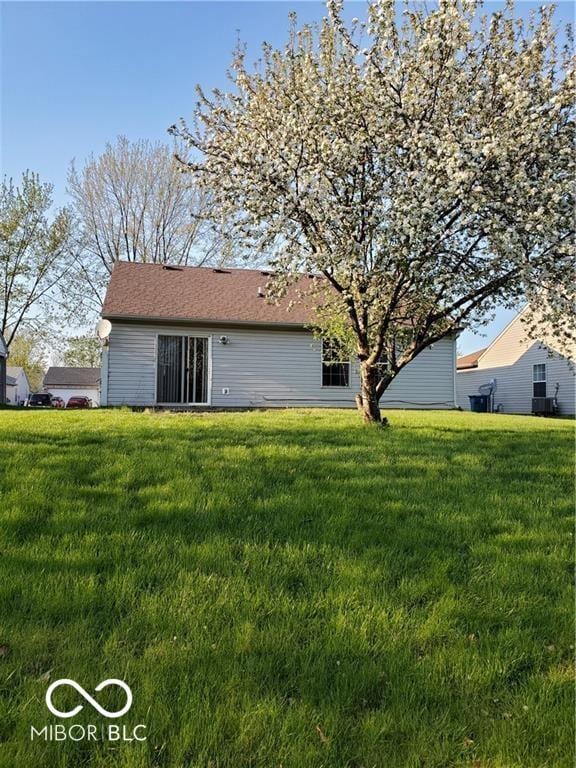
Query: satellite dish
x=103 y=328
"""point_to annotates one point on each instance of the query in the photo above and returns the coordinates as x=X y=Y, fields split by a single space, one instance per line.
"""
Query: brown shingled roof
x=157 y=292
x=71 y=377
x=471 y=360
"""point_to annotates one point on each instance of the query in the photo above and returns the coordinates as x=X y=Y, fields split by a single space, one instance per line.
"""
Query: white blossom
x=427 y=172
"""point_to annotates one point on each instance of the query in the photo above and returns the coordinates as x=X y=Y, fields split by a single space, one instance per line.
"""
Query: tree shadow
x=336 y=568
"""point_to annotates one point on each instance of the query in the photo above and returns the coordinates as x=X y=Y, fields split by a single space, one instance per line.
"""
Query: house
x=73 y=382
x=3 y=358
x=18 y=388
x=523 y=369
x=196 y=336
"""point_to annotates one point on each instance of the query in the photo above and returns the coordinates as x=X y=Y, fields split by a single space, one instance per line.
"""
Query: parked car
x=79 y=402
x=40 y=400
x=58 y=402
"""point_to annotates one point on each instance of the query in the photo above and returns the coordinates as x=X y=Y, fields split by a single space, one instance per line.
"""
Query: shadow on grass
x=401 y=585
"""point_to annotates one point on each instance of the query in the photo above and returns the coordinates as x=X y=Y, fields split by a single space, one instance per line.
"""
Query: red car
x=79 y=402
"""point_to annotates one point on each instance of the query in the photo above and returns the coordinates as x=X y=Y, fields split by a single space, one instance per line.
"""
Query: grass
x=290 y=588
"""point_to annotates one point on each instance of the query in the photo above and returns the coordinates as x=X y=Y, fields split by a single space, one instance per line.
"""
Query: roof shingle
x=72 y=377
x=158 y=292
x=471 y=360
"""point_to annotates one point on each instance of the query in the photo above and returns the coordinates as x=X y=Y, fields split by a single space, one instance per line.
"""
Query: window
x=383 y=364
x=335 y=370
x=539 y=380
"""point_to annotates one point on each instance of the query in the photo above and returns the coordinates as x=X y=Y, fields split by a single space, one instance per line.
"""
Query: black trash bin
x=479 y=403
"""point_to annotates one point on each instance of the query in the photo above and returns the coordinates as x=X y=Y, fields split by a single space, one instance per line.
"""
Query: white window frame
x=536 y=380
x=193 y=335
x=333 y=362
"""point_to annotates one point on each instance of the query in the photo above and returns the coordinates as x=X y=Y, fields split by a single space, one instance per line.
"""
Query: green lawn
x=289 y=589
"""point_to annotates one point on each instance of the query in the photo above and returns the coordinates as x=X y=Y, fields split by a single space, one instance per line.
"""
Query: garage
x=67 y=382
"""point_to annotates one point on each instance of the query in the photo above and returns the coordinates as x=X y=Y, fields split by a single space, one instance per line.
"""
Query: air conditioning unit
x=544 y=406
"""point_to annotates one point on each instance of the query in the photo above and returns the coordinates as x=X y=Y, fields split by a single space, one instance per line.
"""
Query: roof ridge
x=221 y=269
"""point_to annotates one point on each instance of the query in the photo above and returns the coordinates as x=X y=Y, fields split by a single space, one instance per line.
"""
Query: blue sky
x=78 y=74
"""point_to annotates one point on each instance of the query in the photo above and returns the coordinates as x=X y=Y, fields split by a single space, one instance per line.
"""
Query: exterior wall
x=21 y=391
x=507 y=347
x=11 y=394
x=104 y=374
x=67 y=392
x=23 y=388
x=266 y=367
x=2 y=378
x=514 y=381
x=512 y=343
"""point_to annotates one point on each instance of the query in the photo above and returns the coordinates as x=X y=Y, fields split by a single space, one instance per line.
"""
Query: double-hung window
x=335 y=369
x=539 y=380
x=383 y=365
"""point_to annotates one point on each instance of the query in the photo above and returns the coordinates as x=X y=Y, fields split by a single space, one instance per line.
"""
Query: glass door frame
x=185 y=374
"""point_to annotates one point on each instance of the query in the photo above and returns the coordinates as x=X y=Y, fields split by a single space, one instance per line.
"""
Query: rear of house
x=208 y=337
x=525 y=373
x=67 y=382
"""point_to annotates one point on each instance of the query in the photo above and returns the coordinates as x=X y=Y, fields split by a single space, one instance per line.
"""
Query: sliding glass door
x=182 y=370
x=197 y=384
x=169 y=386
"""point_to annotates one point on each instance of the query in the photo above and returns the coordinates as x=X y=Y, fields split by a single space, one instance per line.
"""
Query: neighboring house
x=3 y=358
x=522 y=368
x=195 y=336
x=18 y=391
x=10 y=389
x=73 y=382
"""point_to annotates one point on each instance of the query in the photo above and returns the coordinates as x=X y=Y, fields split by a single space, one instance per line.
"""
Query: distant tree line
x=131 y=203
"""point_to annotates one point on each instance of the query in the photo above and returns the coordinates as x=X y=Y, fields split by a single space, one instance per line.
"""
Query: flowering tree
x=36 y=252
x=423 y=167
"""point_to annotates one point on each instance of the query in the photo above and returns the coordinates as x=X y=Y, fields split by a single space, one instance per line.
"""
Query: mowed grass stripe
x=290 y=588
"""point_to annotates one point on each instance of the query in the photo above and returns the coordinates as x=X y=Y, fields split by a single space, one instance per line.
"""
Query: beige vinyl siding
x=512 y=343
x=267 y=367
x=510 y=360
x=514 y=382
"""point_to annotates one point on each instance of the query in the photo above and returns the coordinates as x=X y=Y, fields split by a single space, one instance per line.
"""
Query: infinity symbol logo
x=89 y=699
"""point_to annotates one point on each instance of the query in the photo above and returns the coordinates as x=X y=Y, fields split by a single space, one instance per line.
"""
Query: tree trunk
x=367 y=400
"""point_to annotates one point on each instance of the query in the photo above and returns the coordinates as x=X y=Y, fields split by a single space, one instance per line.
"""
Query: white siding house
x=263 y=367
x=523 y=369
x=67 y=382
x=197 y=336
x=18 y=392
